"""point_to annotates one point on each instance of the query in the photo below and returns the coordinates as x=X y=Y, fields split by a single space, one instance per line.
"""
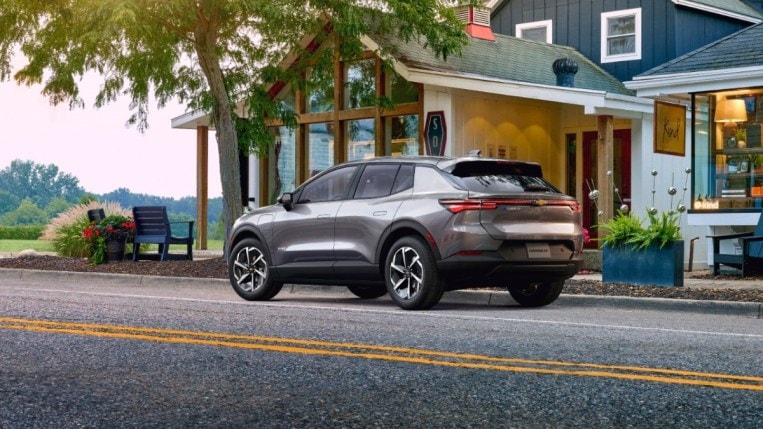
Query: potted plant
x=741 y=137
x=638 y=254
x=106 y=239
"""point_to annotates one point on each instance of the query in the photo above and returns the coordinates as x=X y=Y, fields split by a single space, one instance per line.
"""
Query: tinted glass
x=492 y=176
x=404 y=179
x=331 y=186
x=376 y=181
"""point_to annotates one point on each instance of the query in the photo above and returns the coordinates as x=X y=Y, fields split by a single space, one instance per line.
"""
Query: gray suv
x=413 y=227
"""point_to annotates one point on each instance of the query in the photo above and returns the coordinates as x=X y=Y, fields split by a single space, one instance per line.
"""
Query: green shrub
x=626 y=229
x=25 y=232
x=65 y=230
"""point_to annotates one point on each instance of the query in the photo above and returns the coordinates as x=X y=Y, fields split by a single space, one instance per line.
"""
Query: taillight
x=458 y=206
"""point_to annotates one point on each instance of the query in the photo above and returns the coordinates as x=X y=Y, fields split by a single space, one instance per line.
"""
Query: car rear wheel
x=411 y=275
x=249 y=271
x=368 y=292
x=536 y=294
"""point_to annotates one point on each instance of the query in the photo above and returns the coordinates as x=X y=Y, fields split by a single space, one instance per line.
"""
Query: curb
x=475 y=297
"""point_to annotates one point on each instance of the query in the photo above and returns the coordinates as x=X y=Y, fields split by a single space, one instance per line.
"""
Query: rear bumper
x=491 y=269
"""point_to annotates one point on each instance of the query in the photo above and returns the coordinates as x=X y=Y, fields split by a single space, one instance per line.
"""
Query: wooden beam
x=605 y=164
x=202 y=186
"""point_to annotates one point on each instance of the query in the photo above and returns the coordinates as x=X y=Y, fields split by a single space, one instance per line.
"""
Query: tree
x=210 y=54
x=56 y=206
x=27 y=213
x=8 y=202
x=40 y=183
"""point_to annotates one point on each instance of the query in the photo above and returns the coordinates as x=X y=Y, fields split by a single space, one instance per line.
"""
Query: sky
x=98 y=148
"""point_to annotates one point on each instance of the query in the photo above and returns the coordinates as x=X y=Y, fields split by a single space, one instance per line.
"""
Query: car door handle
x=380 y=213
x=324 y=216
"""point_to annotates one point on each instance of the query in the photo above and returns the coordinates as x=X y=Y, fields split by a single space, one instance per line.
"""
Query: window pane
x=537 y=34
x=403 y=132
x=404 y=179
x=359 y=84
x=376 y=181
x=621 y=45
x=320 y=148
x=283 y=164
x=361 y=143
x=320 y=97
x=401 y=91
x=621 y=25
x=331 y=187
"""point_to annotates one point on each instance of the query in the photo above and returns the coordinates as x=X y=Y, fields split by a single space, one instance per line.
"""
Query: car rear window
x=498 y=176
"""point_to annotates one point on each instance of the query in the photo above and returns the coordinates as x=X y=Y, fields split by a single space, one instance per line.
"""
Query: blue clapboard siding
x=668 y=30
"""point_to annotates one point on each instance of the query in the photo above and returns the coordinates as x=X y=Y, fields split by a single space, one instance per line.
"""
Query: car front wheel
x=249 y=271
x=536 y=294
x=411 y=275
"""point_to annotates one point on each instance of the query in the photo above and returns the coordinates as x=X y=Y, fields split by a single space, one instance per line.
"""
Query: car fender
x=403 y=227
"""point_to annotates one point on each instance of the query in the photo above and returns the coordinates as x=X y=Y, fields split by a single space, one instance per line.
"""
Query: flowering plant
x=111 y=228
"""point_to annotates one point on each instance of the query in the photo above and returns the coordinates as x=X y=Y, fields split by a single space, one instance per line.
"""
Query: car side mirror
x=287 y=200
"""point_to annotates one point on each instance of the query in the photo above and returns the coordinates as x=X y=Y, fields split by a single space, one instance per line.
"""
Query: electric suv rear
x=413 y=227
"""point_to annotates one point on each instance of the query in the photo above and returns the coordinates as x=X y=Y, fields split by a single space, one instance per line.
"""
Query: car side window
x=376 y=181
x=404 y=179
x=331 y=186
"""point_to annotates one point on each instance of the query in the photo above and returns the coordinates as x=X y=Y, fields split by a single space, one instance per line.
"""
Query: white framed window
x=621 y=35
x=539 y=31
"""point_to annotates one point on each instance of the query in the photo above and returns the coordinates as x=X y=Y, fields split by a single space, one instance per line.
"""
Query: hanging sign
x=435 y=133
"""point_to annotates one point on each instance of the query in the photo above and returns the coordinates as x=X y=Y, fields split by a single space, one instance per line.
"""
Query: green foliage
x=27 y=213
x=56 y=206
x=20 y=232
x=39 y=183
x=8 y=202
x=69 y=240
x=142 y=47
x=626 y=229
x=115 y=227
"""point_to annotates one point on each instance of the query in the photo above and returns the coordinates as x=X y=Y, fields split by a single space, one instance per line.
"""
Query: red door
x=621 y=175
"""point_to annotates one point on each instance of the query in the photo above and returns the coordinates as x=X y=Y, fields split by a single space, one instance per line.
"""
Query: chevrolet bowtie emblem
x=539 y=203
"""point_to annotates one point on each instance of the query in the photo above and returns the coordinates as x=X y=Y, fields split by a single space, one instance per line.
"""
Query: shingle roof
x=508 y=58
x=733 y=6
x=741 y=49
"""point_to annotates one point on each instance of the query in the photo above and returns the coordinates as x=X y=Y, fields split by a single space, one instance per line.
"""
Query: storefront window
x=361 y=140
x=728 y=154
x=320 y=149
x=282 y=176
x=360 y=84
x=320 y=90
x=400 y=90
x=403 y=135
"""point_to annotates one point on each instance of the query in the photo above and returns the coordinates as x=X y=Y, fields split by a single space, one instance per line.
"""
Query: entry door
x=621 y=175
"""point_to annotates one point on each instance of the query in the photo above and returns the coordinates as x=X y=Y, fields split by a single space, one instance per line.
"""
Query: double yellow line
x=393 y=354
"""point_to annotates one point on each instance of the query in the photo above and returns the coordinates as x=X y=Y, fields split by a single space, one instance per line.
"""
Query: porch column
x=202 y=188
x=605 y=161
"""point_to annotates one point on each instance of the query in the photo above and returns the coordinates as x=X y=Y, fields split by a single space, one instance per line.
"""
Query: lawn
x=15 y=246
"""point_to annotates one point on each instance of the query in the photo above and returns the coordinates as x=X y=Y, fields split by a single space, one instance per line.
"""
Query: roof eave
x=716 y=11
x=702 y=81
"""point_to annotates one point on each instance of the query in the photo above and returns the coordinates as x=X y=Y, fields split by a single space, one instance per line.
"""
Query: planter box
x=651 y=266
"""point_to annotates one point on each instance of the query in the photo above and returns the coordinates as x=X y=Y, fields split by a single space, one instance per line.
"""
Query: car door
x=303 y=237
x=362 y=220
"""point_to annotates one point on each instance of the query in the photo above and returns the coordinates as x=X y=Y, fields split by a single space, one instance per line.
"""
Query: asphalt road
x=86 y=351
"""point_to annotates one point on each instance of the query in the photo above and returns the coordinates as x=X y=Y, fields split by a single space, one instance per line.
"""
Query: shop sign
x=435 y=133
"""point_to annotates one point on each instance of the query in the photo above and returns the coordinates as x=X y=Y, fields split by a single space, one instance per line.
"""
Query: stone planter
x=650 y=267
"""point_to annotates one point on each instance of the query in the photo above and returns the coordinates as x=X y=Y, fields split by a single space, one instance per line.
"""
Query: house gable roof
x=735 y=60
x=509 y=59
x=741 y=49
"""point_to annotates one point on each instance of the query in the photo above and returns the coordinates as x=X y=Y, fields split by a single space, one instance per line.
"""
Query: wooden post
x=202 y=186
x=605 y=163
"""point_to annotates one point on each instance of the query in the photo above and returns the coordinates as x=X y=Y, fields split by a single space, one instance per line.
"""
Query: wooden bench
x=153 y=227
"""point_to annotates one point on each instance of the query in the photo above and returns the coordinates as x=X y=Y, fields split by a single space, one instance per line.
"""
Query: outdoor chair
x=95 y=215
x=153 y=227
x=750 y=257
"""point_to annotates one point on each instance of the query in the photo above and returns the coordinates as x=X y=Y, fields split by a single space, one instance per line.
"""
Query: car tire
x=368 y=291
x=410 y=273
x=249 y=271
x=537 y=294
